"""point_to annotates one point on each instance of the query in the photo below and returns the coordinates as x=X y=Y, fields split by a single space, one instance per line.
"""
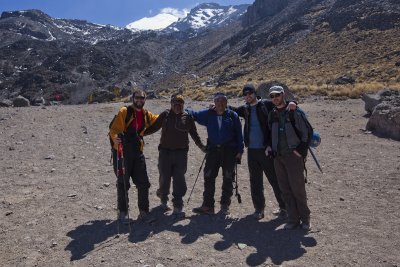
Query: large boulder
x=101 y=96
x=372 y=100
x=385 y=117
x=21 y=101
x=262 y=90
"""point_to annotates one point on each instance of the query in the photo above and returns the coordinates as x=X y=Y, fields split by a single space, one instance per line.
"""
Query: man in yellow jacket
x=134 y=160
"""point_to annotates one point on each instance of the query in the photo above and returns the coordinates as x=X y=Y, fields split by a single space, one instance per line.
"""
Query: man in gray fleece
x=289 y=150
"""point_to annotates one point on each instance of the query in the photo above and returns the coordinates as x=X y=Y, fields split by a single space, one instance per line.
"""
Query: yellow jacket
x=119 y=126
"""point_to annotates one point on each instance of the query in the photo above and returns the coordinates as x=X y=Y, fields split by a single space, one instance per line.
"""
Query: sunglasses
x=272 y=96
x=247 y=93
x=140 y=97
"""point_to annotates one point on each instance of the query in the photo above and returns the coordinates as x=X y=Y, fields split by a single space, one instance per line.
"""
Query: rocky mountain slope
x=329 y=47
x=310 y=46
x=45 y=57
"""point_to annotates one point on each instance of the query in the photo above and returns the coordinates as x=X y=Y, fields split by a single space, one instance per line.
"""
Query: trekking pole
x=315 y=159
x=121 y=174
x=239 y=198
x=195 y=181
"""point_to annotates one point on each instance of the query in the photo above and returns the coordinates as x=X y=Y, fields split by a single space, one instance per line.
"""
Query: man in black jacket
x=176 y=125
x=256 y=136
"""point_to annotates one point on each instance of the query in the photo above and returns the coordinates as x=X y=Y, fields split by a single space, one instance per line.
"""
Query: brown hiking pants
x=290 y=173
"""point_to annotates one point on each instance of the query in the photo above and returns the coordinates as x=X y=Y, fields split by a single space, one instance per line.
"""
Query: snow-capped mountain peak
x=166 y=17
x=209 y=15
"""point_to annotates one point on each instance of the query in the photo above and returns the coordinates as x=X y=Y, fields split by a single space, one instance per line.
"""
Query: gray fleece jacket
x=292 y=140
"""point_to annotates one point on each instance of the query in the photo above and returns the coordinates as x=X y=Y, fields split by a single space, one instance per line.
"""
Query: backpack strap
x=292 y=121
x=129 y=114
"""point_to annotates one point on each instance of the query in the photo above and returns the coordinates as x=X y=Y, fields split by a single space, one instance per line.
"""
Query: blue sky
x=114 y=12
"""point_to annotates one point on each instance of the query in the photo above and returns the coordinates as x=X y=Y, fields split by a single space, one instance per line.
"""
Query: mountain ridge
x=304 y=44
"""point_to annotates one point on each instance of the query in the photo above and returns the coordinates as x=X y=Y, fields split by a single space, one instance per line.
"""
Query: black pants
x=135 y=168
x=258 y=163
x=172 y=164
x=216 y=158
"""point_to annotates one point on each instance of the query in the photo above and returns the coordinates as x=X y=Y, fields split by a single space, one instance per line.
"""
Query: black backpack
x=308 y=124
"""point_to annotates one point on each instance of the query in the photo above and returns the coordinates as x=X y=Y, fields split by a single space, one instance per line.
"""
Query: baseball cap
x=276 y=89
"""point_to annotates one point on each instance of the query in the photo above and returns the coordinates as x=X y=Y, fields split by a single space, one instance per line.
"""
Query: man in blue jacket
x=224 y=150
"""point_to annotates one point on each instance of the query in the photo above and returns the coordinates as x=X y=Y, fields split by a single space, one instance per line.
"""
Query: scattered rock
x=53 y=244
x=84 y=128
x=341 y=199
x=343 y=80
x=106 y=184
x=51 y=157
x=39 y=101
x=5 y=103
x=21 y=101
x=101 y=96
x=8 y=213
x=72 y=195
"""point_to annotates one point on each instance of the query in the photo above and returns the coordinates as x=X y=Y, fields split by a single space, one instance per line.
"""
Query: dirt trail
x=58 y=198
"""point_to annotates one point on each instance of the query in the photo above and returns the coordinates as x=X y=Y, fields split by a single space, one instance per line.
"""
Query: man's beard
x=138 y=105
x=178 y=108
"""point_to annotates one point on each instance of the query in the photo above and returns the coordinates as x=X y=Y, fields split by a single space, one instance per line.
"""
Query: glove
x=302 y=149
x=268 y=151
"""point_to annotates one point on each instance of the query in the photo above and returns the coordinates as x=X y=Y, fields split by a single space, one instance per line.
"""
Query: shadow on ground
x=267 y=237
x=277 y=244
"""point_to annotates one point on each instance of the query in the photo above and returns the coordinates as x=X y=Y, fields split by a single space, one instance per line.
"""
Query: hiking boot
x=203 y=210
x=163 y=201
x=123 y=218
x=164 y=205
x=280 y=213
x=290 y=226
x=158 y=194
x=224 y=210
x=306 y=226
x=258 y=215
x=177 y=211
x=142 y=215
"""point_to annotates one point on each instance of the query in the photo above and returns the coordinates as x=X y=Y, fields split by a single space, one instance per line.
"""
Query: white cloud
x=175 y=12
x=163 y=19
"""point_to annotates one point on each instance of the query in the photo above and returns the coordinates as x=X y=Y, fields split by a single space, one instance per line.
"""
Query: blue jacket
x=230 y=132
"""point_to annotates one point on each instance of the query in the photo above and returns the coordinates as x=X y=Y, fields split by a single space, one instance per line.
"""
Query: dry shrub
x=198 y=95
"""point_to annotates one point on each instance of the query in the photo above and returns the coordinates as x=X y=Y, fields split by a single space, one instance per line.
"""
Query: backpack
x=128 y=116
x=308 y=124
x=313 y=137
